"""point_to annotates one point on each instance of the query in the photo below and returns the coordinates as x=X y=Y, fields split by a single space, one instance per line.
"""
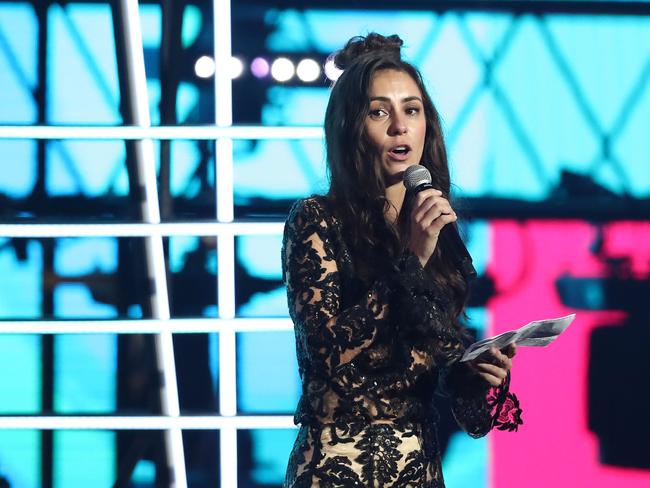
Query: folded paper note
x=537 y=333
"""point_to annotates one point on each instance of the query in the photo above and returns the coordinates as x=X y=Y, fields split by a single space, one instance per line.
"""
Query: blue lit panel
x=267 y=372
x=277 y=169
x=85 y=379
x=20 y=453
x=270 y=451
x=465 y=461
x=20 y=274
x=522 y=98
x=18 y=35
x=18 y=66
x=85 y=364
x=260 y=292
x=21 y=390
x=84 y=458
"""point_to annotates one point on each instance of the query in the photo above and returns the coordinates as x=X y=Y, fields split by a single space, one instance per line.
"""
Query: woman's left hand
x=493 y=365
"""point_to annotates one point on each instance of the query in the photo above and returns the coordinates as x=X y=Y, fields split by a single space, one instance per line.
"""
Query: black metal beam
x=48 y=246
x=170 y=53
x=71 y=209
x=593 y=209
x=512 y=6
x=132 y=346
x=570 y=7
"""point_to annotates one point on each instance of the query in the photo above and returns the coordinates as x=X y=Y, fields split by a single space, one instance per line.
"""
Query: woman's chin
x=394 y=171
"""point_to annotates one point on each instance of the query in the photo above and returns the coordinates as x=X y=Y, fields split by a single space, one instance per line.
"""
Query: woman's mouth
x=400 y=153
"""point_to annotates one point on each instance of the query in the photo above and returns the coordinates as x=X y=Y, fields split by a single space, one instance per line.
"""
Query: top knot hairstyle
x=372 y=43
x=357 y=186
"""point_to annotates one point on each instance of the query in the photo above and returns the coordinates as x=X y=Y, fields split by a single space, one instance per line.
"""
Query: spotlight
x=282 y=69
x=260 y=67
x=236 y=67
x=331 y=71
x=204 y=67
x=308 y=70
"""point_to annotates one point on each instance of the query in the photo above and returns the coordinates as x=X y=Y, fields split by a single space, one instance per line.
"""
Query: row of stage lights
x=281 y=69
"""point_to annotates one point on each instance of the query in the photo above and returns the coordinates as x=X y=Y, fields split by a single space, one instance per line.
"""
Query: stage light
x=260 y=67
x=204 y=67
x=308 y=70
x=282 y=69
x=331 y=71
x=236 y=67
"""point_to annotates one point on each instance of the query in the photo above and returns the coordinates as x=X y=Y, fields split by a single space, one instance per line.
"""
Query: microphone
x=418 y=178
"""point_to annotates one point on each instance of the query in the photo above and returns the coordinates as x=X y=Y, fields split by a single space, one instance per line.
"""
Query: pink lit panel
x=554 y=447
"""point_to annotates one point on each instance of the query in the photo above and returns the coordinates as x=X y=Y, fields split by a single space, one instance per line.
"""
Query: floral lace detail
x=504 y=406
x=370 y=358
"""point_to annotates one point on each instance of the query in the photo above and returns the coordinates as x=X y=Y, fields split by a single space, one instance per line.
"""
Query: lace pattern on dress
x=369 y=360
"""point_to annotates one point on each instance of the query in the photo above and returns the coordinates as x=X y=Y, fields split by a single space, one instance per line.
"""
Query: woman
x=374 y=300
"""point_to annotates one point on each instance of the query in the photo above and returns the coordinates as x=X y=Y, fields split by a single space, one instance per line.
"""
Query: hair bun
x=372 y=43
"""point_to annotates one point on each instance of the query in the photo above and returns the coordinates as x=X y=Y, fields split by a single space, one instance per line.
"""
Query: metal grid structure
x=225 y=229
x=162 y=326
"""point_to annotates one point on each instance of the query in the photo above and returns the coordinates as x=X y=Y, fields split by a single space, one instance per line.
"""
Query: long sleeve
x=478 y=407
x=337 y=339
x=371 y=353
x=328 y=336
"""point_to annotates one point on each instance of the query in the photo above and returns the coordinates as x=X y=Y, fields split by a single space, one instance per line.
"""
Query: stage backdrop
x=528 y=103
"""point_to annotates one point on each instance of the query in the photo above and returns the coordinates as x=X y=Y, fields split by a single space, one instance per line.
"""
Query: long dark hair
x=357 y=186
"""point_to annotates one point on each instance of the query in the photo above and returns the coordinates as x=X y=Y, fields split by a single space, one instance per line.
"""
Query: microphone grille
x=415 y=176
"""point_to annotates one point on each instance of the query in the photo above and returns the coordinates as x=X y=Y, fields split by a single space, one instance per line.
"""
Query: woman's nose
x=398 y=126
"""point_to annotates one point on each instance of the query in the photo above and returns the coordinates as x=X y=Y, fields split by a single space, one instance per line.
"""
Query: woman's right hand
x=430 y=213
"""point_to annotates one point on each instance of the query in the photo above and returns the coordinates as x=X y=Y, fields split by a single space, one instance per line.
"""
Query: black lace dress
x=370 y=360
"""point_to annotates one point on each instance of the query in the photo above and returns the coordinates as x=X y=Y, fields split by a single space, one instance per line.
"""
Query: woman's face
x=395 y=123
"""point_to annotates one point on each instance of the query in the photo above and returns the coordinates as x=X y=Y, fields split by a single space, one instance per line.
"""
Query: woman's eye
x=413 y=110
x=377 y=112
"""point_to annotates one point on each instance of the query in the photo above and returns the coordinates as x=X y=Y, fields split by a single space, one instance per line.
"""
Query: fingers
x=493 y=380
x=510 y=350
x=427 y=199
x=431 y=212
x=431 y=207
x=500 y=358
x=493 y=366
x=494 y=375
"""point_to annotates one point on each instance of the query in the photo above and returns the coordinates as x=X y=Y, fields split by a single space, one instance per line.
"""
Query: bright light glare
x=331 y=71
x=308 y=70
x=282 y=69
x=204 y=67
x=236 y=67
x=260 y=67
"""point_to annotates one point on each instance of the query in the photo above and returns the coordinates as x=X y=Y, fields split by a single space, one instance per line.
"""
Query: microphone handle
x=453 y=244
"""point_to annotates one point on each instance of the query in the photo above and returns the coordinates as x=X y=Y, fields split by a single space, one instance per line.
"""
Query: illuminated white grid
x=227 y=326
x=186 y=132
x=225 y=241
x=154 y=252
x=146 y=326
x=141 y=230
x=158 y=422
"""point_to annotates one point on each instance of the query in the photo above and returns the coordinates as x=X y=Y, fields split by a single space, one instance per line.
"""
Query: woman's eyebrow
x=404 y=100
